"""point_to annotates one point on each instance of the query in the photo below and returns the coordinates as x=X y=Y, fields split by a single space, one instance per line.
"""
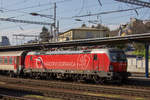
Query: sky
x=67 y=12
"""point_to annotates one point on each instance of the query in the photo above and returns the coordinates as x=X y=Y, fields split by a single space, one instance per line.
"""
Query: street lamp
x=42 y=15
x=78 y=20
x=50 y=17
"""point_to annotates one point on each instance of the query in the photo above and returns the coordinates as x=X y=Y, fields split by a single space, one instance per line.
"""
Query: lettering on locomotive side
x=60 y=64
x=82 y=62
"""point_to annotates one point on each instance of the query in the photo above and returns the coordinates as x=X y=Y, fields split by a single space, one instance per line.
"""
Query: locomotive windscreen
x=117 y=56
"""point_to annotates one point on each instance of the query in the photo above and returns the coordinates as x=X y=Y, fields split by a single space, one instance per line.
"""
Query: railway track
x=131 y=83
x=7 y=97
x=54 y=93
x=86 y=88
x=12 y=94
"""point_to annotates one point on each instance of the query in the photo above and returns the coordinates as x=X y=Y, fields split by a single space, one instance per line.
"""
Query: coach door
x=16 y=61
x=95 y=62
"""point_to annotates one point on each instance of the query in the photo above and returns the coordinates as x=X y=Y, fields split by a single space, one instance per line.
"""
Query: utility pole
x=57 y=30
x=57 y=27
x=55 y=36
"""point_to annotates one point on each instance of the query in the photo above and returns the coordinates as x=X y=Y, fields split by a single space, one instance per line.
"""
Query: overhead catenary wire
x=18 y=10
x=136 y=2
x=24 y=21
x=82 y=7
x=108 y=12
x=16 y=25
x=99 y=1
x=17 y=3
x=45 y=4
x=35 y=6
x=101 y=13
x=26 y=13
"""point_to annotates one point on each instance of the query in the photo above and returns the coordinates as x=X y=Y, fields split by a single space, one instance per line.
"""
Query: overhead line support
x=24 y=21
x=136 y=2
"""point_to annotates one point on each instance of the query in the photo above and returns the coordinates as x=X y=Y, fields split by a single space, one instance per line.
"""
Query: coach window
x=1 y=60
x=14 y=60
x=5 y=60
x=10 y=60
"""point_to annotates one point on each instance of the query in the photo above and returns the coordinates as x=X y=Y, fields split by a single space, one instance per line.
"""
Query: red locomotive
x=97 y=64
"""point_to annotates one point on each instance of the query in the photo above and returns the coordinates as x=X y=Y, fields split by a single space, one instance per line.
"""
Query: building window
x=10 y=60
x=67 y=39
x=89 y=35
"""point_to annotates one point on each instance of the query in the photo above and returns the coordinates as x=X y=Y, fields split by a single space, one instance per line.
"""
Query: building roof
x=82 y=29
x=11 y=53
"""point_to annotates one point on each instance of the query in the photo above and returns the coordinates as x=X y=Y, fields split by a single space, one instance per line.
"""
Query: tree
x=44 y=35
x=107 y=30
x=83 y=25
x=138 y=47
x=100 y=26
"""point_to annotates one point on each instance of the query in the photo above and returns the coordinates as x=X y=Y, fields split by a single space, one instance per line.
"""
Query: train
x=96 y=64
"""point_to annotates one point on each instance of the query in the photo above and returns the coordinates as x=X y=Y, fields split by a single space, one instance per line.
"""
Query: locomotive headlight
x=111 y=68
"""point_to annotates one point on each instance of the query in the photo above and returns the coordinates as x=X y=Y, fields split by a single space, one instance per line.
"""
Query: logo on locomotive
x=39 y=62
x=83 y=61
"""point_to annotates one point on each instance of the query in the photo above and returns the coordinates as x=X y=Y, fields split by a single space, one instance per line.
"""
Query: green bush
x=140 y=53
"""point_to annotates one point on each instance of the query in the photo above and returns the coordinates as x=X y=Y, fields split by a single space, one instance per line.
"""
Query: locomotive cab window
x=95 y=57
x=117 y=56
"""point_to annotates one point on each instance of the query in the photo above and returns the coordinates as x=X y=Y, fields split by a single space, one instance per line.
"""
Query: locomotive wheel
x=98 y=80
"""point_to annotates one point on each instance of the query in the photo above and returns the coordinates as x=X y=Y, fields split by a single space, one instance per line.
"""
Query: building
x=82 y=33
x=4 y=41
x=134 y=26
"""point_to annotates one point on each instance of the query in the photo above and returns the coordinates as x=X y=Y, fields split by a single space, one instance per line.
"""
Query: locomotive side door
x=101 y=62
x=32 y=62
x=95 y=62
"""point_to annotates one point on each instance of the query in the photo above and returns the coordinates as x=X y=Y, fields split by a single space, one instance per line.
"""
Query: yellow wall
x=85 y=34
x=81 y=34
x=63 y=37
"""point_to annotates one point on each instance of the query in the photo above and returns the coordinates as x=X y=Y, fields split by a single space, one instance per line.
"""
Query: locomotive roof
x=72 y=52
x=11 y=53
x=54 y=52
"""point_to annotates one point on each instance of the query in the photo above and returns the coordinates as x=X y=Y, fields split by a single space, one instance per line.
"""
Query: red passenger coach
x=12 y=62
x=97 y=64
